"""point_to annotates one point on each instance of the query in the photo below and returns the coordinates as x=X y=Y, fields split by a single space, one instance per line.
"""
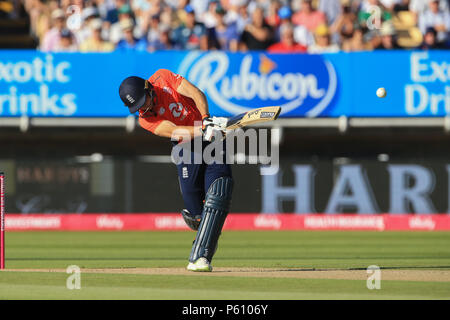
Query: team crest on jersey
x=161 y=111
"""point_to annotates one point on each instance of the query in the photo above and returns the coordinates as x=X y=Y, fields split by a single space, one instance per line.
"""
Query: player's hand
x=213 y=127
x=213 y=132
x=220 y=122
x=206 y=122
x=214 y=121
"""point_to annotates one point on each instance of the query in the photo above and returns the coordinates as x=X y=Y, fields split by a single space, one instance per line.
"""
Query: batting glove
x=213 y=132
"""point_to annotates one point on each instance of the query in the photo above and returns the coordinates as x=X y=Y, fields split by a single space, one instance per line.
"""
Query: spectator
x=151 y=27
x=112 y=15
x=388 y=4
x=156 y=7
x=191 y=35
x=309 y=17
x=247 y=24
x=51 y=37
x=436 y=18
x=263 y=4
x=38 y=13
x=323 y=41
x=156 y=33
x=209 y=17
x=52 y=5
x=303 y=36
x=114 y=34
x=88 y=14
x=142 y=8
x=244 y=17
x=238 y=13
x=344 y=25
x=103 y=6
x=420 y=6
x=373 y=12
x=223 y=36
x=257 y=35
x=287 y=43
x=200 y=7
x=167 y=18
x=95 y=42
x=356 y=42
x=180 y=13
x=273 y=18
x=66 y=42
x=64 y=4
x=402 y=5
x=68 y=5
x=331 y=8
x=129 y=41
x=171 y=3
x=387 y=33
x=430 y=40
x=163 y=42
x=285 y=15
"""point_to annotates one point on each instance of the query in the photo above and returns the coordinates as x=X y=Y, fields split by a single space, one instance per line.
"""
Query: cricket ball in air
x=381 y=93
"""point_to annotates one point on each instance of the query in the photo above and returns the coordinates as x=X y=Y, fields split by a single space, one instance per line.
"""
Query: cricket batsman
x=167 y=102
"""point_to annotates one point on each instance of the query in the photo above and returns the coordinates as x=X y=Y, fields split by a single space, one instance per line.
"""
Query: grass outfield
x=277 y=251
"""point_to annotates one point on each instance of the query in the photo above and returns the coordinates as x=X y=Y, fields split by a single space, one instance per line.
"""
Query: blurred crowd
x=315 y=26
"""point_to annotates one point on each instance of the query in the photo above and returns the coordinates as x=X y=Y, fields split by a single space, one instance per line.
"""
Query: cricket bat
x=253 y=116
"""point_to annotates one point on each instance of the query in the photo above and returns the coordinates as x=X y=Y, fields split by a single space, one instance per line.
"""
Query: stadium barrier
x=174 y=221
x=39 y=84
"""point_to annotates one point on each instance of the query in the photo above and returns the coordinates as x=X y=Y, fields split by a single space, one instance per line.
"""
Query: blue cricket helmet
x=132 y=91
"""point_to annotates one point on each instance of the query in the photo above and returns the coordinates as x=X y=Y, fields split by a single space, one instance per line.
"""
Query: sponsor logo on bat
x=267 y=114
x=250 y=114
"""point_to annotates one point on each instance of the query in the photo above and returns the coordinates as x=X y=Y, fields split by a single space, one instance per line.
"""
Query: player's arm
x=170 y=130
x=189 y=90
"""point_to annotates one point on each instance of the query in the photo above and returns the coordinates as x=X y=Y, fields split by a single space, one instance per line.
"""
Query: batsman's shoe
x=201 y=265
